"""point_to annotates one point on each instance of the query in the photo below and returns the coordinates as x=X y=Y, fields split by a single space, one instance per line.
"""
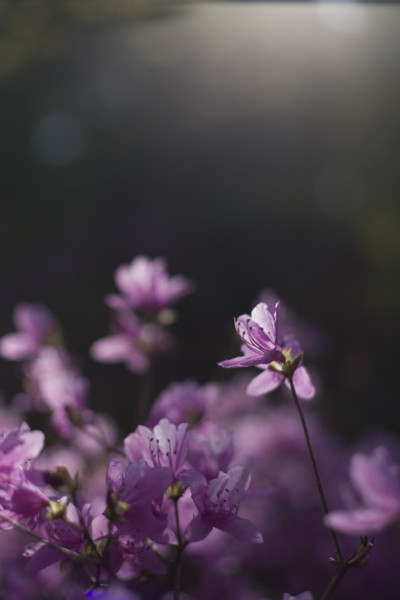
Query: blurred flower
x=55 y=384
x=211 y=450
x=133 y=343
x=376 y=478
x=145 y=285
x=183 y=403
x=35 y=325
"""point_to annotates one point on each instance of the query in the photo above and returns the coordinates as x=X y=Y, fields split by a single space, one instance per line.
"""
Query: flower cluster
x=140 y=312
x=212 y=495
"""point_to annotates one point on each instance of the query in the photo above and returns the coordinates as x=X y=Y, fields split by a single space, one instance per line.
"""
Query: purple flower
x=261 y=347
x=64 y=533
x=57 y=386
x=211 y=450
x=164 y=446
x=133 y=343
x=145 y=285
x=19 y=446
x=376 y=479
x=313 y=338
x=142 y=488
x=129 y=556
x=35 y=324
x=259 y=332
x=183 y=403
x=218 y=503
x=19 y=498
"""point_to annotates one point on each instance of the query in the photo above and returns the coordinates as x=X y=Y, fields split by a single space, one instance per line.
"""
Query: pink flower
x=132 y=343
x=376 y=478
x=64 y=533
x=261 y=347
x=35 y=324
x=142 y=488
x=164 y=446
x=19 y=498
x=183 y=402
x=211 y=449
x=145 y=285
x=57 y=386
x=218 y=503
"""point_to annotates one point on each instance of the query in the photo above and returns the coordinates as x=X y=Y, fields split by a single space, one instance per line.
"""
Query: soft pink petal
x=250 y=360
x=33 y=319
x=16 y=346
x=359 y=521
x=377 y=479
x=137 y=361
x=111 y=349
x=265 y=382
x=116 y=302
x=302 y=383
x=261 y=315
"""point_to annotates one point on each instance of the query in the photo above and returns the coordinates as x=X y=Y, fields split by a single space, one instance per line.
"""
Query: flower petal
x=197 y=530
x=360 y=521
x=302 y=383
x=111 y=349
x=261 y=315
x=242 y=529
x=377 y=479
x=17 y=346
x=264 y=383
x=251 y=360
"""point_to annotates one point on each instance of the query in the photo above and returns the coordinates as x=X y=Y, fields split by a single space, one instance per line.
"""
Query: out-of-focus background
x=251 y=144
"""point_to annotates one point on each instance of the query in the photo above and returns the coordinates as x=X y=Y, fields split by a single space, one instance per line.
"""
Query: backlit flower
x=262 y=348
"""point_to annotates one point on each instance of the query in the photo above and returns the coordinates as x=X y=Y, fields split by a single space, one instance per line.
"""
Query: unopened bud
x=116 y=509
x=61 y=480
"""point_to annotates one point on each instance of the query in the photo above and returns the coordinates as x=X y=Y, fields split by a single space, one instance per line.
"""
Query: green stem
x=315 y=468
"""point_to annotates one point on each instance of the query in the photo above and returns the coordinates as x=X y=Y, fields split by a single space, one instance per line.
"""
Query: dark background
x=252 y=145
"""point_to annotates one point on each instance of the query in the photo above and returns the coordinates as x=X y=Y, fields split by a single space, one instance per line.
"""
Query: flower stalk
x=338 y=553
